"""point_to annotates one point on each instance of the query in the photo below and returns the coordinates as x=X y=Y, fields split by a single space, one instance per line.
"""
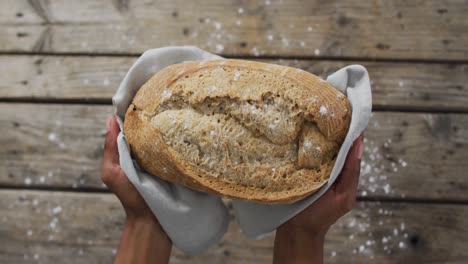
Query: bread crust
x=152 y=153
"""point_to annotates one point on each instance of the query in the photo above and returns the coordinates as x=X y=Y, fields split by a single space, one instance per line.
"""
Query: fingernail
x=109 y=120
x=360 y=149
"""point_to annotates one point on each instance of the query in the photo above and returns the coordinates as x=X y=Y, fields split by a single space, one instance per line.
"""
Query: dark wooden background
x=61 y=62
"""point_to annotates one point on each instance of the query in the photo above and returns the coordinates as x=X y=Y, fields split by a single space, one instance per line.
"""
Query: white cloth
x=195 y=220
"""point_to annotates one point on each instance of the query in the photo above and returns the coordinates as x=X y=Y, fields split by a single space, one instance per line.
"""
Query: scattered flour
x=217 y=25
x=362 y=248
x=57 y=210
x=166 y=93
x=236 y=75
x=255 y=51
x=323 y=110
x=386 y=188
x=52 y=137
x=212 y=89
x=53 y=223
x=219 y=48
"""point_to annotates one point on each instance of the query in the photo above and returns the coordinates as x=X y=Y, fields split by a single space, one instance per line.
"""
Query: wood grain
x=52 y=145
x=413 y=158
x=422 y=30
x=407 y=155
x=48 y=227
x=402 y=86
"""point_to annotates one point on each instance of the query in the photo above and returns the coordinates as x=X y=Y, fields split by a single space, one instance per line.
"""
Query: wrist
x=141 y=213
x=147 y=225
x=302 y=234
x=146 y=218
x=316 y=233
x=143 y=241
x=298 y=245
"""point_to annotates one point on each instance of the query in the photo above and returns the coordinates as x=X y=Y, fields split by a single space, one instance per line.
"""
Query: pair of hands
x=308 y=227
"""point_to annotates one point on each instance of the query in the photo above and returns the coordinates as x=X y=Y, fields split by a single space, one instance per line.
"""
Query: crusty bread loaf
x=243 y=129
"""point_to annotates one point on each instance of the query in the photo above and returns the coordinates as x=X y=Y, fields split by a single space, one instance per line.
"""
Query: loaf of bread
x=242 y=129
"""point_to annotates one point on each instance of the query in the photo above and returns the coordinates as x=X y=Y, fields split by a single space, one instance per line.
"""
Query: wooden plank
x=395 y=85
x=407 y=155
x=19 y=12
x=65 y=227
x=52 y=145
x=398 y=29
x=58 y=77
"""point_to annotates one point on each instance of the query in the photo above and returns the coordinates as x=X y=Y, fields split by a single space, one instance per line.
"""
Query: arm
x=301 y=239
x=143 y=239
x=294 y=245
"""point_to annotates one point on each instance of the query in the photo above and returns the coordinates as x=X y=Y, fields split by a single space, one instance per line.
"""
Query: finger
x=111 y=154
x=349 y=176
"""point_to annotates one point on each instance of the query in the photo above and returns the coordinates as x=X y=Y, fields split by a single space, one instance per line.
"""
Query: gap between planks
x=233 y=56
x=380 y=199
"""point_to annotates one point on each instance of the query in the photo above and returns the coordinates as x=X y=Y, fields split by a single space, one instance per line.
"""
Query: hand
x=115 y=179
x=300 y=240
x=143 y=239
x=336 y=201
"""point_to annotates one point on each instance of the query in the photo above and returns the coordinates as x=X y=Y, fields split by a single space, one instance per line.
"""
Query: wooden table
x=61 y=62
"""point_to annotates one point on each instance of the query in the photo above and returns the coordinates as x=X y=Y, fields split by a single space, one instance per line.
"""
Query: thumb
x=349 y=176
x=111 y=154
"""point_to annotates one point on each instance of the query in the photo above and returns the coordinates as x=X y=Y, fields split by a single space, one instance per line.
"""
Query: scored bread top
x=244 y=129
